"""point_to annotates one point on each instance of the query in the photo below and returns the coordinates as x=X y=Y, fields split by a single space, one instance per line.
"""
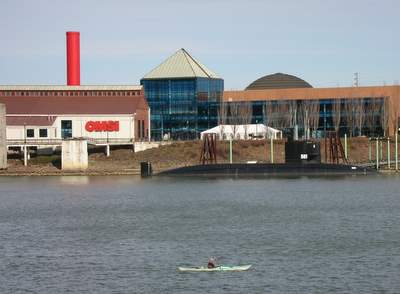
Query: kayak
x=221 y=268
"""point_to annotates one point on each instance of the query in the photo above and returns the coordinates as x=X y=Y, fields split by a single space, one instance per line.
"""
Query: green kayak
x=221 y=268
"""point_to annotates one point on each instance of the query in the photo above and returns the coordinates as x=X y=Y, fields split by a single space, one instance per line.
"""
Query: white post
x=388 y=152
x=25 y=155
x=345 y=146
x=377 y=153
x=396 y=151
x=272 y=149
x=230 y=150
x=107 y=150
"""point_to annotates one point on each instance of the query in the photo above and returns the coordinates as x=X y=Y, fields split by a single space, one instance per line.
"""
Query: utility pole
x=355 y=81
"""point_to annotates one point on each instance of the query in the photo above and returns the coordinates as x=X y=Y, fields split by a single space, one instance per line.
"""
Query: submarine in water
x=301 y=158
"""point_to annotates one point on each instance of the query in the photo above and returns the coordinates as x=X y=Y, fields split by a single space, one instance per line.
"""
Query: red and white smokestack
x=73 y=59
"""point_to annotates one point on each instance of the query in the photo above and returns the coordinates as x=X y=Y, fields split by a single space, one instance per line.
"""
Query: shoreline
x=123 y=161
x=130 y=172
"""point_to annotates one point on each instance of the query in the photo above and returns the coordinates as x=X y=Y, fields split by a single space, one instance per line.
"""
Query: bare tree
x=293 y=117
x=283 y=115
x=314 y=115
x=349 y=108
x=372 y=111
x=336 y=113
x=359 y=114
x=301 y=115
x=246 y=114
x=268 y=113
x=234 y=117
x=222 y=117
x=384 y=115
x=394 y=111
x=309 y=116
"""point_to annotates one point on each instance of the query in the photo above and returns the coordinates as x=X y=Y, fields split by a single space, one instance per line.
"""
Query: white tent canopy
x=241 y=132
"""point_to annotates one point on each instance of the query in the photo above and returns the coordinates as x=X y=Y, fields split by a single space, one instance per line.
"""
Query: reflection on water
x=74 y=180
x=128 y=235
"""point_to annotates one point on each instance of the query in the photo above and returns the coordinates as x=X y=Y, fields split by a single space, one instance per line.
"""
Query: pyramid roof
x=180 y=65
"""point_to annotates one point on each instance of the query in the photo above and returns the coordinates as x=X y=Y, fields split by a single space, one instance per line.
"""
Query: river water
x=128 y=235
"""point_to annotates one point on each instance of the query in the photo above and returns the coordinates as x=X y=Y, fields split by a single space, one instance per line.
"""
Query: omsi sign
x=102 y=126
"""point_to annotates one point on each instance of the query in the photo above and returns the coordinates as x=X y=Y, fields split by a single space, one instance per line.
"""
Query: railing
x=95 y=141
x=29 y=141
x=54 y=142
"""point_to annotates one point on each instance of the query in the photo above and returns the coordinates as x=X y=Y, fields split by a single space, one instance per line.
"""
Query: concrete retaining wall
x=142 y=146
x=3 y=146
x=74 y=155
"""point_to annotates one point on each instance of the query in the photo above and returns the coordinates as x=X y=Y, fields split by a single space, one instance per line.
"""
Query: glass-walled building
x=354 y=117
x=290 y=104
x=183 y=96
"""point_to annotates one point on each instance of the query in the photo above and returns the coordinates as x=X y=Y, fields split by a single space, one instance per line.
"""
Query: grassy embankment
x=181 y=154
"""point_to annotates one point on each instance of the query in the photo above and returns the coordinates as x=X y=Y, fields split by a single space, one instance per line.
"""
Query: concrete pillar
x=74 y=155
x=369 y=150
x=3 y=139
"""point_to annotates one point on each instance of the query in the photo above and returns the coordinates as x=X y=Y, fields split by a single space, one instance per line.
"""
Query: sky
x=323 y=42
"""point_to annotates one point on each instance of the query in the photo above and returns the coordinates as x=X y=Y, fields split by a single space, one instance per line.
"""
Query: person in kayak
x=211 y=263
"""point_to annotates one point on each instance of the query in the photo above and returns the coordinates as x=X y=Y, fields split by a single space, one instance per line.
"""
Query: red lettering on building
x=102 y=126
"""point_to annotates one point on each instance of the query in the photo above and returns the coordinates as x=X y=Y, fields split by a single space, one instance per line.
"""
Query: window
x=43 y=133
x=66 y=129
x=30 y=133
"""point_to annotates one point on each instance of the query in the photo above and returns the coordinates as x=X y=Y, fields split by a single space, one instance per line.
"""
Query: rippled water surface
x=127 y=235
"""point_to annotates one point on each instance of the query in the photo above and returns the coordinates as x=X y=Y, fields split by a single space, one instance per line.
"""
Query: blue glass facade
x=182 y=108
x=371 y=125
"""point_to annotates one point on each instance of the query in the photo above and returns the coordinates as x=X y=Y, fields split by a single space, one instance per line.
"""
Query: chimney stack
x=73 y=59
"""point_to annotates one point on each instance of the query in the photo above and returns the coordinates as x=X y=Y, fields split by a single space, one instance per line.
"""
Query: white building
x=114 y=114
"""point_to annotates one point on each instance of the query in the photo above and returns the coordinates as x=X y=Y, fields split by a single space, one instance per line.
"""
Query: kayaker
x=211 y=263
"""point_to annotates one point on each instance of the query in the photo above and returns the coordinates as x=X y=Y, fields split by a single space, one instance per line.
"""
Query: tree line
x=358 y=114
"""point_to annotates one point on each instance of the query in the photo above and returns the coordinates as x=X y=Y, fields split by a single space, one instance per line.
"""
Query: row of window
x=69 y=93
x=30 y=133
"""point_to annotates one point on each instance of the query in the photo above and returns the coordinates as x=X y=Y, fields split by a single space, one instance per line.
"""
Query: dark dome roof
x=278 y=81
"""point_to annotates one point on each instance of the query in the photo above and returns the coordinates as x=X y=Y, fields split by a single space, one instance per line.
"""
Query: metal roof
x=30 y=120
x=70 y=88
x=74 y=105
x=278 y=81
x=180 y=65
